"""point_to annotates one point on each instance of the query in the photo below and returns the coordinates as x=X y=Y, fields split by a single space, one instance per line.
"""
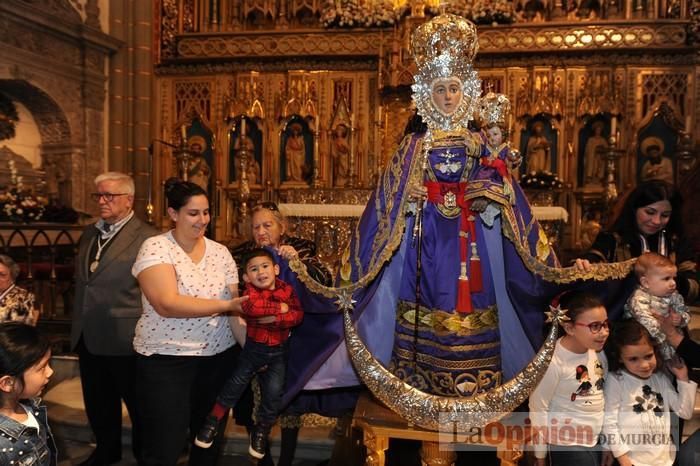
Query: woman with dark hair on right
x=185 y=346
x=649 y=221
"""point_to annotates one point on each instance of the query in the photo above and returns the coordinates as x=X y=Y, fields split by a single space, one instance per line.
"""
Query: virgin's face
x=653 y=218
x=5 y=278
x=447 y=94
x=267 y=230
x=192 y=218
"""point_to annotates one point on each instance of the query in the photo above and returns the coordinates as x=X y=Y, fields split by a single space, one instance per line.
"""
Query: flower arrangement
x=493 y=12
x=541 y=180
x=18 y=204
x=353 y=13
x=358 y=13
x=8 y=118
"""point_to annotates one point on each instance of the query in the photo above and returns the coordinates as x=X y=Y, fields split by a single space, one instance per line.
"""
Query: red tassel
x=464 y=296
x=477 y=283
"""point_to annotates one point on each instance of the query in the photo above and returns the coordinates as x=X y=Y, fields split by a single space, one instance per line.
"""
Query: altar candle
x=242 y=127
x=688 y=124
x=613 y=126
x=183 y=133
x=380 y=114
x=352 y=122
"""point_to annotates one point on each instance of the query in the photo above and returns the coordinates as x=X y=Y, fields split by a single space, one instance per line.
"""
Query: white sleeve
x=611 y=428
x=683 y=400
x=539 y=408
x=154 y=251
x=231 y=268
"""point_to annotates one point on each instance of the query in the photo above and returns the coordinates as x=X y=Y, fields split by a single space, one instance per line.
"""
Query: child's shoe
x=207 y=433
x=258 y=443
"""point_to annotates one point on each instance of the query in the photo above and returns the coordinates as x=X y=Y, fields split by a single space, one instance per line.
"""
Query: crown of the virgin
x=493 y=108
x=446 y=37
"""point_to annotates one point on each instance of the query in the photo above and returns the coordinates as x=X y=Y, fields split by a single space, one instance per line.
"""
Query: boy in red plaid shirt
x=271 y=311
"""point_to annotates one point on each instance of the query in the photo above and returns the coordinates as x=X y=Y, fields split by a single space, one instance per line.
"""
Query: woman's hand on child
x=678 y=368
x=284 y=308
x=287 y=252
x=235 y=305
x=676 y=318
x=673 y=334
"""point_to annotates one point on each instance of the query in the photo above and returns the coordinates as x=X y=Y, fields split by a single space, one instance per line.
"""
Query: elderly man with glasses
x=107 y=306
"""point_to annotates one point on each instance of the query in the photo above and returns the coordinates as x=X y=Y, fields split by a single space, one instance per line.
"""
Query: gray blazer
x=108 y=301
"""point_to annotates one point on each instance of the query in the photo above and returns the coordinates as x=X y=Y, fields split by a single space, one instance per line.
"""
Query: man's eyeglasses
x=595 y=327
x=109 y=197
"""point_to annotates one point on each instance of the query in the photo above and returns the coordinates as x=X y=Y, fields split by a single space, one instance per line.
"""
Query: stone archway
x=54 y=128
x=53 y=61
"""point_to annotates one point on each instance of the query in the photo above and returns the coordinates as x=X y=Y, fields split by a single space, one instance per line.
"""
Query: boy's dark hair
x=576 y=303
x=257 y=252
x=21 y=346
x=628 y=332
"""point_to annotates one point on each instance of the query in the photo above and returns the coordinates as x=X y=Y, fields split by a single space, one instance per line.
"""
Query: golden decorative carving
x=275 y=45
x=193 y=97
x=577 y=37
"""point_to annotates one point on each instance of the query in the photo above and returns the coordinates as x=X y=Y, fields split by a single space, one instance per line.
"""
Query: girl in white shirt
x=566 y=408
x=638 y=398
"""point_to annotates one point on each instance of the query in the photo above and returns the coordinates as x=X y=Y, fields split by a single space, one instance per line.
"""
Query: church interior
x=303 y=102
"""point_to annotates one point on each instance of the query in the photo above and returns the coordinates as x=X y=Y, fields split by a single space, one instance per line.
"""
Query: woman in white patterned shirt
x=184 y=343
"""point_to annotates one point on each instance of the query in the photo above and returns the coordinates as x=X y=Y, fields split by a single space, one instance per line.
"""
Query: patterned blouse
x=16 y=304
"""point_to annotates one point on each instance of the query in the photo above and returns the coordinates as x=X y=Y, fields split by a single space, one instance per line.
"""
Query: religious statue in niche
x=534 y=11
x=252 y=135
x=198 y=170
x=297 y=151
x=657 y=166
x=595 y=142
x=538 y=148
x=340 y=154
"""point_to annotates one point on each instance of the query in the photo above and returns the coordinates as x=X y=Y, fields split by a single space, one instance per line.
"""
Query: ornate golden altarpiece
x=632 y=65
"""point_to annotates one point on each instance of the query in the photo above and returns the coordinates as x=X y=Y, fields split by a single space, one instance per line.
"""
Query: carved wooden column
x=130 y=98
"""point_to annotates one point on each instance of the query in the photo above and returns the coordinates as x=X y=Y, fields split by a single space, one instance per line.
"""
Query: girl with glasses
x=571 y=391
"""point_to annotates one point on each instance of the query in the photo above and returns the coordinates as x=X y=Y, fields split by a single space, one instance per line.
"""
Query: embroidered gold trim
x=445 y=383
x=493 y=361
x=432 y=344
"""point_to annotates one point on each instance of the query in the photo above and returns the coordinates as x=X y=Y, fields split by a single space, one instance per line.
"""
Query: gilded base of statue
x=379 y=424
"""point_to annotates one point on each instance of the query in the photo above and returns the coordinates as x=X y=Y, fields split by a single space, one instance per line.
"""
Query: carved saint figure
x=657 y=166
x=295 y=153
x=538 y=147
x=340 y=153
x=591 y=158
x=253 y=170
x=198 y=170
